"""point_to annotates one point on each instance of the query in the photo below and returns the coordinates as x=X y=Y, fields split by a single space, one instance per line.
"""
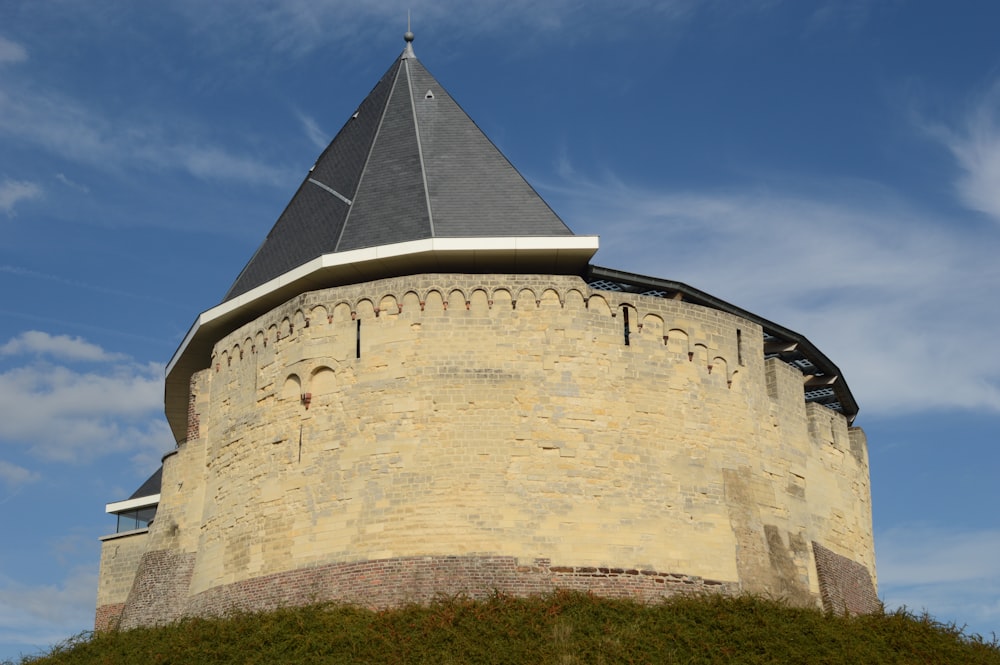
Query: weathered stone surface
x=120 y=555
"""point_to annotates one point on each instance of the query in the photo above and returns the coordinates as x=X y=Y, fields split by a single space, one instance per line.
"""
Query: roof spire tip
x=408 y=37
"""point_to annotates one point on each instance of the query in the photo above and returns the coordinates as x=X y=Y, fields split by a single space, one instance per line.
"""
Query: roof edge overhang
x=567 y=255
x=132 y=504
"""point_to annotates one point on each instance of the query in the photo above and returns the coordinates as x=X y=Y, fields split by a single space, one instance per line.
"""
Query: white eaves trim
x=132 y=504
x=359 y=258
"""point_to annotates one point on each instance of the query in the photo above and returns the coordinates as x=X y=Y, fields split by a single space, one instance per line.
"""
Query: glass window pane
x=144 y=516
x=126 y=521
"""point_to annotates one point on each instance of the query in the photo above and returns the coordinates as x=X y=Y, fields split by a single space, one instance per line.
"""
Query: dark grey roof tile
x=474 y=189
x=391 y=202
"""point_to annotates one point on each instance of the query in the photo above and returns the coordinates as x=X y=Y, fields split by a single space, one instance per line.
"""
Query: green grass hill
x=561 y=628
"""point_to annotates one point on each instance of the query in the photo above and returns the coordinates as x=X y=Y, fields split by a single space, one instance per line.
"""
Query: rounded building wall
x=447 y=417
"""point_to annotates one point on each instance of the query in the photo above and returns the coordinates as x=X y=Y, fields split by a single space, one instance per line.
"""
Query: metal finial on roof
x=408 y=37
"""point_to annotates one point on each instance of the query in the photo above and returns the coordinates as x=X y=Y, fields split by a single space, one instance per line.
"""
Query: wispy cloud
x=65 y=127
x=216 y=163
x=975 y=145
x=850 y=14
x=947 y=571
x=13 y=476
x=58 y=412
x=11 y=51
x=77 y=284
x=251 y=32
x=14 y=191
x=317 y=136
x=297 y=27
x=71 y=183
x=39 y=616
x=894 y=296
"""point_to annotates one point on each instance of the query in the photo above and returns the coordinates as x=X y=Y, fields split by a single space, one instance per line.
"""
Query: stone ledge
x=124 y=534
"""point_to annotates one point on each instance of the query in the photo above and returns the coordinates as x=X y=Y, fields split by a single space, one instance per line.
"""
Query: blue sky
x=834 y=167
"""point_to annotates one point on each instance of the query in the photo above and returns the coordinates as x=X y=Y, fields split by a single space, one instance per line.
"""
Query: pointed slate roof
x=409 y=165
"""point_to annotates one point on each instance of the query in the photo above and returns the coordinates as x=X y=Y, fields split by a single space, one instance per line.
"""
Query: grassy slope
x=562 y=628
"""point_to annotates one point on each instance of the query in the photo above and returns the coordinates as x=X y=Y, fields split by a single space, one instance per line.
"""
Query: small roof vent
x=429 y=95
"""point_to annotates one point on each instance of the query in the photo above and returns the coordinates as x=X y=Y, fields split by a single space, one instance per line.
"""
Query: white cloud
x=58 y=346
x=14 y=476
x=976 y=148
x=947 y=572
x=894 y=297
x=59 y=413
x=40 y=616
x=14 y=191
x=11 y=51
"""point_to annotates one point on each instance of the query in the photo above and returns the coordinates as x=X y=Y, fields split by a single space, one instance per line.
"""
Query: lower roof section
x=822 y=381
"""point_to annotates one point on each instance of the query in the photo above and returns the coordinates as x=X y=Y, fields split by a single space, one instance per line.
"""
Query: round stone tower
x=420 y=385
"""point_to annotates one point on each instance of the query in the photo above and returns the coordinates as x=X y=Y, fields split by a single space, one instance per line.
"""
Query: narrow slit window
x=625 y=320
x=739 y=346
x=357 y=347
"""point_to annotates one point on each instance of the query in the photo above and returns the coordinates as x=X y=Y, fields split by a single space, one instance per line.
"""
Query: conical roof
x=409 y=165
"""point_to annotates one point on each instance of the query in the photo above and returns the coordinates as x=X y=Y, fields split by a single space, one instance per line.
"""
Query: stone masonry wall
x=504 y=418
x=120 y=555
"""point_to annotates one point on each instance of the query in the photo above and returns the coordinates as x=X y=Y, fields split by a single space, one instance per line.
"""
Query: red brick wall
x=159 y=594
x=393 y=582
x=194 y=419
x=160 y=590
x=846 y=586
x=107 y=616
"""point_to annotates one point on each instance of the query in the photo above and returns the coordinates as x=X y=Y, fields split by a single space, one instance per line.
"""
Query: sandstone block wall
x=511 y=420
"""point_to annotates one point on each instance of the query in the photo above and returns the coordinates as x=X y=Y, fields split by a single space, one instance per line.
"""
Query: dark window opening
x=625 y=318
x=357 y=350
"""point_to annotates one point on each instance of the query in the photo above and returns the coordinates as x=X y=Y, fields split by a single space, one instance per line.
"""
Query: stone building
x=421 y=385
